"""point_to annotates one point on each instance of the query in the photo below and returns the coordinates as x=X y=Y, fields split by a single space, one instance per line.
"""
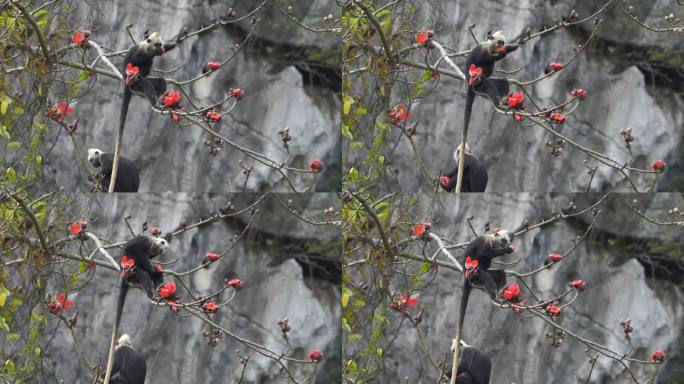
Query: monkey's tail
x=115 y=329
x=119 y=137
x=470 y=98
x=459 y=330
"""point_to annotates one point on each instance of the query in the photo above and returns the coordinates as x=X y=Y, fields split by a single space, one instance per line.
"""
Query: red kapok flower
x=399 y=114
x=172 y=99
x=214 y=116
x=558 y=117
x=212 y=65
x=159 y=267
x=59 y=303
x=444 y=180
x=132 y=73
x=424 y=37
x=554 y=257
x=80 y=37
x=555 y=66
x=126 y=265
x=59 y=111
x=76 y=229
x=167 y=290
x=154 y=230
x=406 y=300
x=237 y=93
x=553 y=310
x=316 y=355
x=475 y=73
x=175 y=308
x=578 y=284
x=658 y=165
x=658 y=356
x=578 y=92
x=511 y=292
x=316 y=165
x=470 y=266
x=518 y=117
x=176 y=117
x=235 y=283
x=516 y=100
x=210 y=307
x=211 y=256
x=421 y=230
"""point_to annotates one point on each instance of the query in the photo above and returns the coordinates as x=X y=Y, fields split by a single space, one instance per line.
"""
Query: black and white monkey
x=474 y=174
x=474 y=367
x=142 y=274
x=127 y=178
x=129 y=365
x=483 y=250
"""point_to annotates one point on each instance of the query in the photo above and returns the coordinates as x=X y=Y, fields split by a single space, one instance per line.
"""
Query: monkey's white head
x=124 y=341
x=498 y=238
x=94 y=157
x=152 y=40
x=159 y=245
x=458 y=151
x=497 y=42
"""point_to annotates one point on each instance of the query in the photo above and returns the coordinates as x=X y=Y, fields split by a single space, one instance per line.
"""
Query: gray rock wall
x=272 y=263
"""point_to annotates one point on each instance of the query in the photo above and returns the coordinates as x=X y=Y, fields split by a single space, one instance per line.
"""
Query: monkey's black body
x=144 y=275
x=474 y=367
x=492 y=280
x=475 y=176
x=152 y=88
x=127 y=177
x=129 y=367
x=494 y=89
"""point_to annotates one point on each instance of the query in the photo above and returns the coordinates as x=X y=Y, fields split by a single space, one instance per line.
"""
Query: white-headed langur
x=474 y=174
x=127 y=178
x=129 y=365
x=474 y=367
x=483 y=56
x=477 y=259
x=138 y=272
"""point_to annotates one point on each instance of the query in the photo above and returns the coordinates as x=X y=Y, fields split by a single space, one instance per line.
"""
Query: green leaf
x=3 y=325
x=348 y=102
x=6 y=101
x=4 y=132
x=39 y=160
x=3 y=298
x=83 y=76
x=346 y=132
x=346 y=295
x=381 y=160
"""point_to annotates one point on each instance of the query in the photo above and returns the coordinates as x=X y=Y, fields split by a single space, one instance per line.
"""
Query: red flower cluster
x=578 y=284
x=558 y=117
x=236 y=93
x=658 y=356
x=555 y=66
x=553 y=310
x=159 y=267
x=211 y=257
x=126 y=265
x=516 y=100
x=316 y=355
x=511 y=292
x=475 y=73
x=578 y=92
x=132 y=73
x=59 y=112
x=58 y=304
x=235 y=283
x=154 y=230
x=214 y=116
x=470 y=267
x=444 y=180
x=658 y=166
x=167 y=290
x=421 y=230
x=78 y=229
x=176 y=117
x=554 y=257
x=399 y=114
x=210 y=307
x=81 y=38
x=316 y=165
x=212 y=65
x=518 y=117
x=175 y=306
x=172 y=99
x=424 y=37
x=406 y=300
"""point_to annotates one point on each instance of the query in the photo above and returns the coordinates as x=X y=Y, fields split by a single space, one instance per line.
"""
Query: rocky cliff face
x=623 y=72
x=619 y=263
x=275 y=260
x=290 y=77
